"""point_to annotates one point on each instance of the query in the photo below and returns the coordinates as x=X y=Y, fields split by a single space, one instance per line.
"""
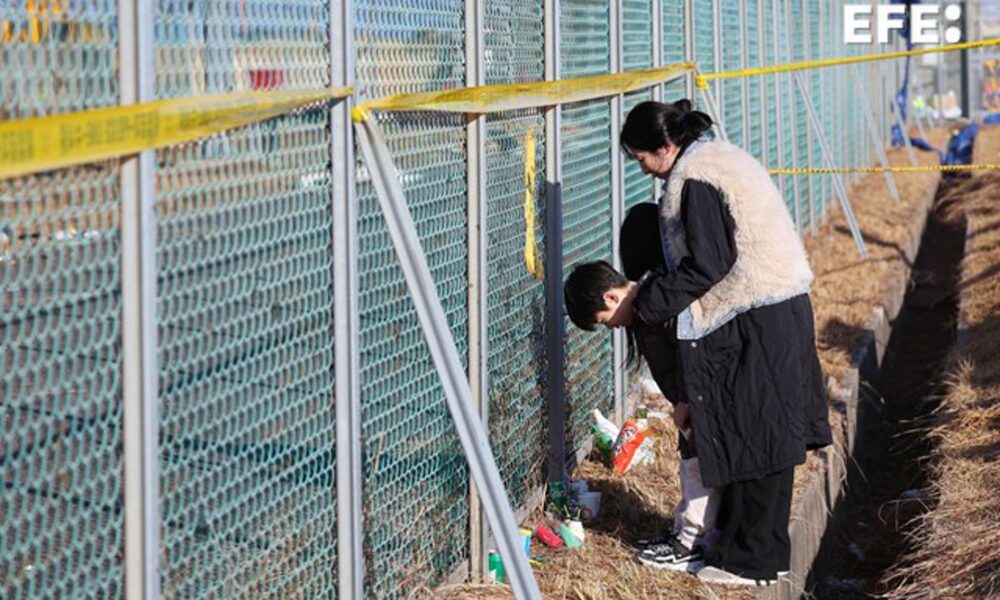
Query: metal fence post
x=689 y=45
x=555 y=325
x=939 y=78
x=790 y=54
x=765 y=105
x=478 y=310
x=656 y=15
x=718 y=93
x=347 y=360
x=778 y=102
x=658 y=91
x=745 y=81
x=139 y=335
x=811 y=183
x=617 y=198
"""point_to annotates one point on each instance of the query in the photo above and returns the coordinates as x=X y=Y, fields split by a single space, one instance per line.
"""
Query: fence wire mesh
x=672 y=36
x=416 y=491
x=244 y=309
x=703 y=26
x=60 y=323
x=802 y=132
x=586 y=194
x=637 y=53
x=788 y=106
x=517 y=359
x=754 y=85
x=731 y=101
x=770 y=86
x=811 y=34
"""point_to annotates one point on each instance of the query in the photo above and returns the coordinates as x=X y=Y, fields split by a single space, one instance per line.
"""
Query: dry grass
x=634 y=506
x=848 y=288
x=958 y=544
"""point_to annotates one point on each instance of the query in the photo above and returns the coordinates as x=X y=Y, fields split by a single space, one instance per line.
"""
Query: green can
x=496 y=572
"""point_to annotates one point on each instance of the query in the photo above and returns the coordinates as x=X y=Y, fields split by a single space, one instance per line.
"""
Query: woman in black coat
x=736 y=287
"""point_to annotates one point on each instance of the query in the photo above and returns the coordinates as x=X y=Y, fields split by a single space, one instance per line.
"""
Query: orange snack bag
x=625 y=447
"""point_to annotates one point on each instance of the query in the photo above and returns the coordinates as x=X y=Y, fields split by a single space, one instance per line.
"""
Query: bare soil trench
x=886 y=490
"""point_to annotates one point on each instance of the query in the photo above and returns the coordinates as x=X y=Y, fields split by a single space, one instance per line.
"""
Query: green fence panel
x=731 y=102
x=61 y=521
x=818 y=184
x=586 y=193
x=517 y=361
x=672 y=37
x=771 y=85
x=637 y=53
x=755 y=94
x=702 y=21
x=415 y=473
x=788 y=106
x=797 y=31
x=245 y=311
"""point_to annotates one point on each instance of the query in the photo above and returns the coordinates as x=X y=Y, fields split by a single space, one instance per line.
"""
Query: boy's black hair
x=640 y=248
x=584 y=291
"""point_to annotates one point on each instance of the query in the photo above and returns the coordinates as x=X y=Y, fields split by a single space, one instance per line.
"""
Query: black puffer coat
x=754 y=385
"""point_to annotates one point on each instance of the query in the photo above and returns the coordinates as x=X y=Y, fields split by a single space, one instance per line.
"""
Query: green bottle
x=602 y=441
x=496 y=573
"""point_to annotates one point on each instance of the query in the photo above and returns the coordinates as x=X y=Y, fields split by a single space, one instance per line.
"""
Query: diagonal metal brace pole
x=866 y=108
x=461 y=404
x=838 y=181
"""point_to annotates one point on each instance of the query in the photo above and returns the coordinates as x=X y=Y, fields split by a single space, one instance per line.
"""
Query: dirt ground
x=954 y=549
x=883 y=501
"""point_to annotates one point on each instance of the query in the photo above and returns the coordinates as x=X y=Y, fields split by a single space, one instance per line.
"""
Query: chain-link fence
x=246 y=273
x=244 y=308
x=60 y=321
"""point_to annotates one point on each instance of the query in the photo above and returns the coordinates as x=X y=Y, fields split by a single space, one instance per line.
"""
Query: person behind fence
x=693 y=525
x=736 y=286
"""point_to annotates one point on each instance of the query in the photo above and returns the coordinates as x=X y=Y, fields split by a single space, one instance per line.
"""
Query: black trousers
x=753 y=519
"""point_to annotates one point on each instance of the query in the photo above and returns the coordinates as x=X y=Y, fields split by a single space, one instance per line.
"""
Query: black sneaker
x=673 y=556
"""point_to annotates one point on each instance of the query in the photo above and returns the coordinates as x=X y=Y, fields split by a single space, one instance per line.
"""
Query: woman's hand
x=681 y=416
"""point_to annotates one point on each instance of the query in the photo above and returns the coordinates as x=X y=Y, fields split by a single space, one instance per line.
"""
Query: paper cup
x=590 y=504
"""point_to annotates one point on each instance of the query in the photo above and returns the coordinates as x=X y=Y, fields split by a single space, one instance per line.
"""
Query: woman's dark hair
x=640 y=248
x=584 y=291
x=651 y=125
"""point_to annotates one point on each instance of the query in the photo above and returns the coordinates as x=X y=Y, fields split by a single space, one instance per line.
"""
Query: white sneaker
x=723 y=577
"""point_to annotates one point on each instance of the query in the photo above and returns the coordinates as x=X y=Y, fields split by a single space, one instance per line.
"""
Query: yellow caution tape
x=701 y=80
x=518 y=96
x=531 y=258
x=824 y=171
x=46 y=143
